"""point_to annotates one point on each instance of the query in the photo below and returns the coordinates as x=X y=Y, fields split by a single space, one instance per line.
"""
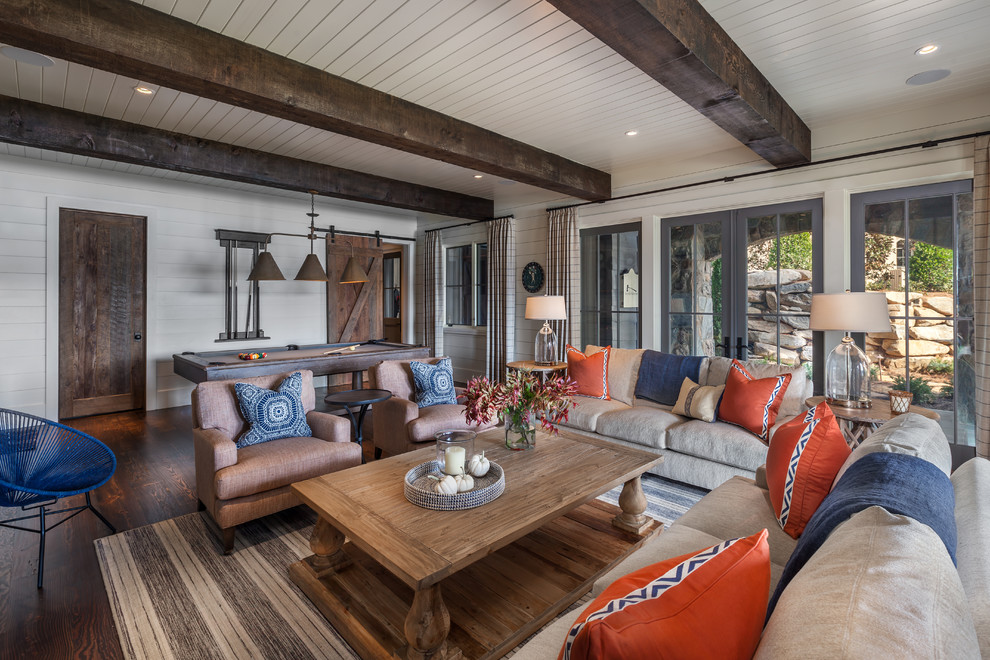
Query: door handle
x=137 y=336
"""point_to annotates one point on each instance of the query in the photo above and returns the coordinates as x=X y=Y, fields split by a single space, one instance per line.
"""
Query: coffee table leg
x=427 y=625
x=326 y=543
x=632 y=501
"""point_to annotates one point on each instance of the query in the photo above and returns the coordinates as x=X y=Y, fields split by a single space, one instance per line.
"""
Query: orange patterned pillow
x=804 y=457
x=751 y=403
x=708 y=604
x=590 y=372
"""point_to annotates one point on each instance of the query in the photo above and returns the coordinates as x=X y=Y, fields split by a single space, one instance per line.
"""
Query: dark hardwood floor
x=155 y=480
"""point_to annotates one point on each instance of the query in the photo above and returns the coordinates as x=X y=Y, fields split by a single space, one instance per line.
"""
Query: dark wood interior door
x=101 y=312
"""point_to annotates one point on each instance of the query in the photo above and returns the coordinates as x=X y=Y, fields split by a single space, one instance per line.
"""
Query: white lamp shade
x=850 y=312
x=546 y=308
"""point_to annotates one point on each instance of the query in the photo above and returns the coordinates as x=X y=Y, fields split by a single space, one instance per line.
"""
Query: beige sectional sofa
x=695 y=452
x=881 y=586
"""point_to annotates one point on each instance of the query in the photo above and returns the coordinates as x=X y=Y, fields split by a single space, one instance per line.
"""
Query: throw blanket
x=662 y=374
x=901 y=484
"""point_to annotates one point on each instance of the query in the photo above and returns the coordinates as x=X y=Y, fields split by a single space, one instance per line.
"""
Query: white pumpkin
x=465 y=482
x=478 y=465
x=445 y=486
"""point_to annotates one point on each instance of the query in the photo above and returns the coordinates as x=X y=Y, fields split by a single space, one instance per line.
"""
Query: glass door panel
x=694 y=272
x=610 y=291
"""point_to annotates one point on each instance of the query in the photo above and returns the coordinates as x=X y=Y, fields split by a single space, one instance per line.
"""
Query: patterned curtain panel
x=981 y=293
x=501 y=296
x=563 y=272
x=433 y=288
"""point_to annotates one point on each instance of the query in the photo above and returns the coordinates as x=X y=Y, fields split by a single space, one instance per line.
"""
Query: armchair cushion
x=269 y=465
x=272 y=414
x=434 y=383
x=443 y=417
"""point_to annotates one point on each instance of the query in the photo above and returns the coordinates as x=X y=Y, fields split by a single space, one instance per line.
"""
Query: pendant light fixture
x=311 y=269
x=265 y=268
x=353 y=273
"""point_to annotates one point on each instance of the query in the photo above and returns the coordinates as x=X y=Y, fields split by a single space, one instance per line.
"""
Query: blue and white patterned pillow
x=272 y=415
x=434 y=383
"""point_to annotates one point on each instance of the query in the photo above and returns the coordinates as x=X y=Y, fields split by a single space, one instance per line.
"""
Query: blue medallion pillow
x=272 y=415
x=434 y=383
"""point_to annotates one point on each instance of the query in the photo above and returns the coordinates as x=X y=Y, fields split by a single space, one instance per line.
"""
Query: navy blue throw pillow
x=434 y=383
x=272 y=415
x=662 y=374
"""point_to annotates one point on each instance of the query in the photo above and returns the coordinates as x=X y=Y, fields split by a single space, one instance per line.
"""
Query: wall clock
x=532 y=277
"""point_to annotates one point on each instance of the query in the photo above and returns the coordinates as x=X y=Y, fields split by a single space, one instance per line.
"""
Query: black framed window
x=611 y=298
x=466 y=284
x=391 y=280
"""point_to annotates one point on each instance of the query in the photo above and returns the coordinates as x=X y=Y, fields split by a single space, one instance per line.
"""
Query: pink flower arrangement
x=519 y=398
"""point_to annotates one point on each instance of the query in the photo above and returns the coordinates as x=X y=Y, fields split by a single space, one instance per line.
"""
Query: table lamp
x=546 y=309
x=847 y=369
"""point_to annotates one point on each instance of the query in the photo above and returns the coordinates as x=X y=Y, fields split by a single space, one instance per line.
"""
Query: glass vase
x=519 y=435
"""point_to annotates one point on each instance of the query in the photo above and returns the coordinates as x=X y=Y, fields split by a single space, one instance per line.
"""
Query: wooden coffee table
x=505 y=569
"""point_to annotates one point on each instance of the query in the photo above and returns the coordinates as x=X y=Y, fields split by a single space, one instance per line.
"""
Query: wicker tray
x=418 y=488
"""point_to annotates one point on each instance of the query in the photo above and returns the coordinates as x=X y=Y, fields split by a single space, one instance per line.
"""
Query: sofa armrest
x=761 y=477
x=213 y=450
x=389 y=424
x=331 y=428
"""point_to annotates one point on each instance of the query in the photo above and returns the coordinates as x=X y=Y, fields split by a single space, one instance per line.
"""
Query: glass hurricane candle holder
x=454 y=450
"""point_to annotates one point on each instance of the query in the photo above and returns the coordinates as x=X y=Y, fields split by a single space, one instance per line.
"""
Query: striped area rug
x=173 y=595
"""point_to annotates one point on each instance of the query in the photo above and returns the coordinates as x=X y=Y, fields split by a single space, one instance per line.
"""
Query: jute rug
x=173 y=595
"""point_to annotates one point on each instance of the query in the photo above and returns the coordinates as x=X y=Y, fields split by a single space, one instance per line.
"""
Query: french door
x=739 y=283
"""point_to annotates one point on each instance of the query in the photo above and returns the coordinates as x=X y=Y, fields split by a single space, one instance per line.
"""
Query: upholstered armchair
x=237 y=485
x=399 y=424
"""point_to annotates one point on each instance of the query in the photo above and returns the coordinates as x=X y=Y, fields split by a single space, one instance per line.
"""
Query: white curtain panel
x=981 y=293
x=563 y=273
x=501 y=296
x=433 y=293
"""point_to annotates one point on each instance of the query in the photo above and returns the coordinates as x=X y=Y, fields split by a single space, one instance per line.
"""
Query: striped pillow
x=698 y=401
x=708 y=604
x=752 y=403
x=590 y=372
x=804 y=457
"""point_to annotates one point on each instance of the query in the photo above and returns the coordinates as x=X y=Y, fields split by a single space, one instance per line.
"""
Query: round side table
x=543 y=369
x=361 y=399
x=858 y=423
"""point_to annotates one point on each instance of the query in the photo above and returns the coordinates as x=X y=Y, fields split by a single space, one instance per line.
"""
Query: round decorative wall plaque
x=532 y=277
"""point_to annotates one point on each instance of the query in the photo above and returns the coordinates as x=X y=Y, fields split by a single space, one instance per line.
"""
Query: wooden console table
x=415 y=583
x=858 y=423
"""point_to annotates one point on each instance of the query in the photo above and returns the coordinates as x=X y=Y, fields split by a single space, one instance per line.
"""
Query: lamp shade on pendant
x=847 y=368
x=353 y=273
x=311 y=270
x=265 y=268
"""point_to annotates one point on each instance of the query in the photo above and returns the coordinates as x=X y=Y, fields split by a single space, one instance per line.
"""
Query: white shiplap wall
x=185 y=268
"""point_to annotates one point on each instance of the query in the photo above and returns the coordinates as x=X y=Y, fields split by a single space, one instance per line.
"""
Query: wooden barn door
x=354 y=311
x=101 y=312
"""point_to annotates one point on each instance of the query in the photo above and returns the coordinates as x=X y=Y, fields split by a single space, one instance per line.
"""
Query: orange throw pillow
x=804 y=457
x=590 y=372
x=709 y=604
x=751 y=403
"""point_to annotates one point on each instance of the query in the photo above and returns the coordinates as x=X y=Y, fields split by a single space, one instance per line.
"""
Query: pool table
x=224 y=365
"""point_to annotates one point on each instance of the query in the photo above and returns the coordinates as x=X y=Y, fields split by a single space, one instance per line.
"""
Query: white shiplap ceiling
x=524 y=70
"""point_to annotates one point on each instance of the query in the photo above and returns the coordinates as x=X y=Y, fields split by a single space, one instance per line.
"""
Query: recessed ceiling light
x=477 y=176
x=632 y=133
x=927 y=49
x=26 y=56
x=926 y=77
x=141 y=89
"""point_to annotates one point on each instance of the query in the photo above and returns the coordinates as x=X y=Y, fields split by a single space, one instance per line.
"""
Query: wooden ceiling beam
x=47 y=127
x=130 y=39
x=680 y=45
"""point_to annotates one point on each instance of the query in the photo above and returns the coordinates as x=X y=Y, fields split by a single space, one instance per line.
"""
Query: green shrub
x=795 y=251
x=878 y=247
x=939 y=366
x=931 y=267
x=947 y=392
x=922 y=390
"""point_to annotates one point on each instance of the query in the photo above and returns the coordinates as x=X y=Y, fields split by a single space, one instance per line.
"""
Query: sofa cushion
x=752 y=403
x=698 y=401
x=590 y=372
x=719 y=442
x=272 y=414
x=643 y=426
x=911 y=434
x=666 y=609
x=798 y=391
x=804 y=456
x=441 y=417
x=661 y=375
x=881 y=586
x=971 y=482
x=269 y=465
x=434 y=383
x=738 y=508
x=623 y=369
x=586 y=411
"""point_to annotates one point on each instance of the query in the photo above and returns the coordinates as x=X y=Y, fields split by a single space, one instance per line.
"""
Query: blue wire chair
x=42 y=461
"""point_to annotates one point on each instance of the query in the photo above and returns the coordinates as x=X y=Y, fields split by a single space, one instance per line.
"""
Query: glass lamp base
x=847 y=376
x=545 y=346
